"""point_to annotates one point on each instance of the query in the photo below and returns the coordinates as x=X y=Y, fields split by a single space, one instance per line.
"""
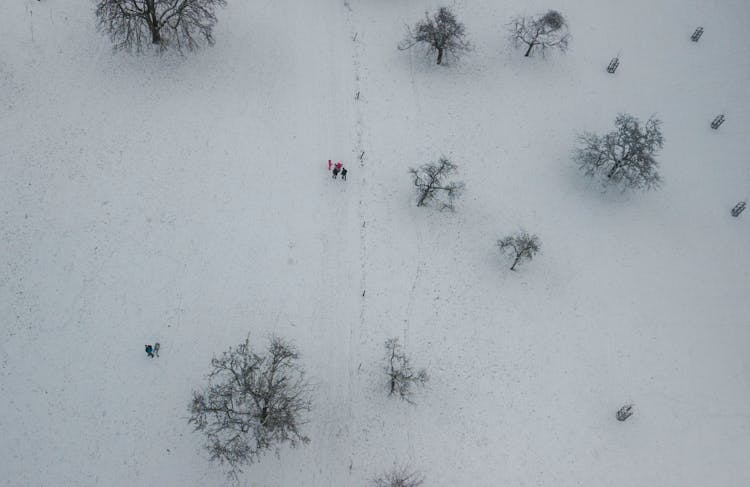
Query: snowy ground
x=186 y=201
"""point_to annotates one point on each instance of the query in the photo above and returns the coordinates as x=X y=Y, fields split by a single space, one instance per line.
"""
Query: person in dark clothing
x=343 y=173
x=150 y=351
x=335 y=172
x=157 y=346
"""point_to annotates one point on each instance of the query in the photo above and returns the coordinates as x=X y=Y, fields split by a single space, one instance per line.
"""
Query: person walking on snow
x=329 y=164
x=335 y=172
x=339 y=165
x=343 y=173
x=150 y=351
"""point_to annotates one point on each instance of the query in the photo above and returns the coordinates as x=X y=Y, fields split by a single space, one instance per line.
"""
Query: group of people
x=153 y=351
x=337 y=168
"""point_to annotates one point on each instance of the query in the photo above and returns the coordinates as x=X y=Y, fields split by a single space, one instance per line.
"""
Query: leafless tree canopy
x=252 y=403
x=165 y=23
x=441 y=33
x=399 y=477
x=521 y=245
x=546 y=31
x=401 y=375
x=625 y=155
x=432 y=186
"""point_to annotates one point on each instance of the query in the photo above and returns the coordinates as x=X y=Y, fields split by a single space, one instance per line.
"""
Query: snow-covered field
x=186 y=200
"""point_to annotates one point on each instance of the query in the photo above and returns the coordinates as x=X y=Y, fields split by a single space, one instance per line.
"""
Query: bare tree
x=441 y=33
x=521 y=245
x=549 y=30
x=252 y=403
x=165 y=23
x=431 y=185
x=399 y=477
x=401 y=375
x=625 y=155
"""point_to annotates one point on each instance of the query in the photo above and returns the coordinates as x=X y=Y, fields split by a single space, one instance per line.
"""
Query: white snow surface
x=186 y=200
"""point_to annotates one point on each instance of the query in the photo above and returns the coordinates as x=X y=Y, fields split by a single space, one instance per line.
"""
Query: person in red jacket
x=329 y=164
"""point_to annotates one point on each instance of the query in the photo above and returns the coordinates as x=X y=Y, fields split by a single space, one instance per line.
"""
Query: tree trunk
x=392 y=373
x=528 y=51
x=153 y=22
x=613 y=170
x=440 y=56
x=513 y=267
x=423 y=196
x=155 y=37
